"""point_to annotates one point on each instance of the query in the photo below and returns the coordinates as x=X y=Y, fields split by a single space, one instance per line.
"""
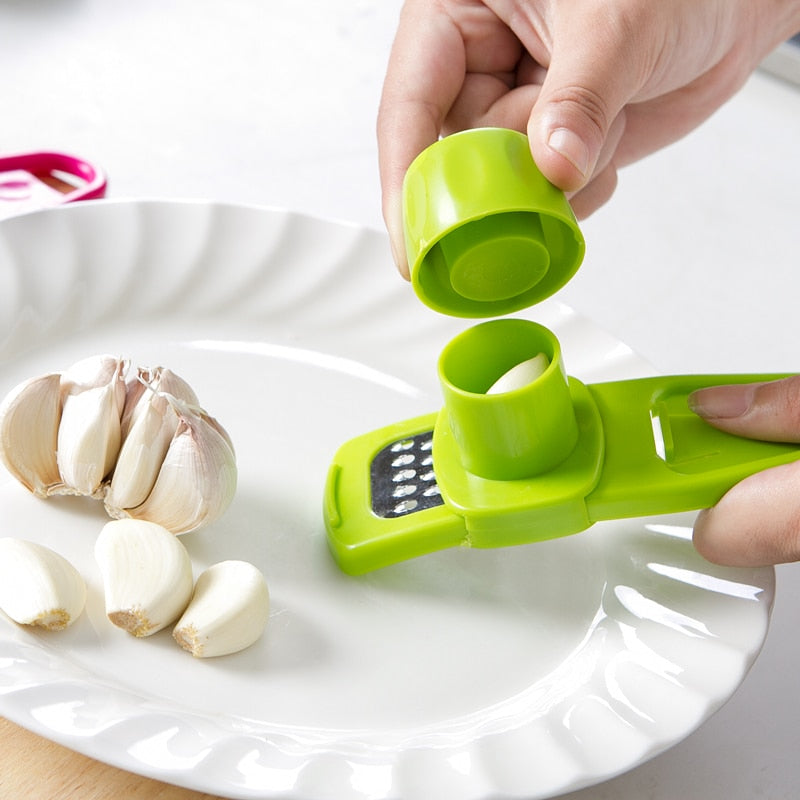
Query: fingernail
x=722 y=402
x=397 y=257
x=568 y=144
x=394 y=226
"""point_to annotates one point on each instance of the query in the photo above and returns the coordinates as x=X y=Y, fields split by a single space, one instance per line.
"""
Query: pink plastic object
x=36 y=180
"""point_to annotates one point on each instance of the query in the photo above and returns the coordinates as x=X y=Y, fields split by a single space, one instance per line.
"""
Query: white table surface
x=272 y=102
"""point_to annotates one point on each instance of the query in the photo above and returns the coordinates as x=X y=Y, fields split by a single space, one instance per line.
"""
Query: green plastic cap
x=486 y=233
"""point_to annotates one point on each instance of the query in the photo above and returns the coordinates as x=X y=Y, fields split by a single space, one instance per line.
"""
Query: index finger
x=424 y=76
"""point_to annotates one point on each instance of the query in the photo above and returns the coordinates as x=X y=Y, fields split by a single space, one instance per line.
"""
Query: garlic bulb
x=147 y=575
x=38 y=586
x=144 y=447
x=228 y=610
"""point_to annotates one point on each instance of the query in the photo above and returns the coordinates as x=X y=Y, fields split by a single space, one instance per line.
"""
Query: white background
x=273 y=102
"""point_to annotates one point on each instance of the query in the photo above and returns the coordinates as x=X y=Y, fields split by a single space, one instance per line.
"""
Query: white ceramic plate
x=465 y=674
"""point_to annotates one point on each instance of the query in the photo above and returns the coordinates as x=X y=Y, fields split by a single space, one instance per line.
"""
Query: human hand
x=757 y=522
x=597 y=84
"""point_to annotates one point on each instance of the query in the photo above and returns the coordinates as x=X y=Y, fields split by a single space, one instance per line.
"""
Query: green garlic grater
x=545 y=459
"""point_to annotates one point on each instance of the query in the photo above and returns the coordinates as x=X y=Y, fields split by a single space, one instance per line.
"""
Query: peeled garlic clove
x=89 y=433
x=149 y=423
x=147 y=575
x=197 y=479
x=228 y=611
x=38 y=586
x=520 y=375
x=29 y=417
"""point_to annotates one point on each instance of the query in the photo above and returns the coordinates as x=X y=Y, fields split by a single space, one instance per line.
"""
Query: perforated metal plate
x=402 y=480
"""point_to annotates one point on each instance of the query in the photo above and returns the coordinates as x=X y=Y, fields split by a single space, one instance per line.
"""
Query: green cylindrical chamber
x=515 y=434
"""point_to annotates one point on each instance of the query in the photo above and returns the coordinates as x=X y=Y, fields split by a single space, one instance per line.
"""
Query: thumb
x=767 y=410
x=589 y=81
x=757 y=522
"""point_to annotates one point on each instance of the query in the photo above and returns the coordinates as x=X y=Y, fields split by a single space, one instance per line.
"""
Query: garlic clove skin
x=149 y=423
x=149 y=383
x=147 y=575
x=29 y=418
x=139 y=460
x=91 y=371
x=89 y=433
x=228 y=610
x=38 y=586
x=520 y=375
x=197 y=479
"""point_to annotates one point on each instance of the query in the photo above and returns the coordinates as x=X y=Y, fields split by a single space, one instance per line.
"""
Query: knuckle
x=574 y=100
x=783 y=397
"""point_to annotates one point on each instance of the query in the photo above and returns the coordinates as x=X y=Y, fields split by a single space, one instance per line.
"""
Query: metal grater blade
x=402 y=480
